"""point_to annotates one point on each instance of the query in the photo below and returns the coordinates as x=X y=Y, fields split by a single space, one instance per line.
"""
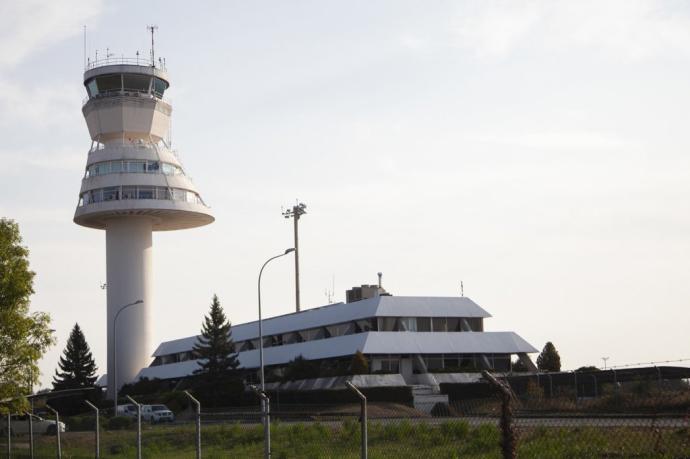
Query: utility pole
x=295 y=213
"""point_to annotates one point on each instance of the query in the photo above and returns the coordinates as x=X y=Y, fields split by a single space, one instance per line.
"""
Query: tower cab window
x=126 y=83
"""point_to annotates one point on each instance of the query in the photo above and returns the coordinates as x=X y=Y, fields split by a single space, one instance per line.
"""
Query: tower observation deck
x=133 y=184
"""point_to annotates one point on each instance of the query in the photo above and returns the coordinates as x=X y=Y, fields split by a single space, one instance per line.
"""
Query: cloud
x=21 y=103
x=27 y=26
x=633 y=29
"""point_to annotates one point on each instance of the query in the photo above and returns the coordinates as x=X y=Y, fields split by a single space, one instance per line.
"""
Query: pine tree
x=77 y=366
x=549 y=360
x=359 y=364
x=215 y=348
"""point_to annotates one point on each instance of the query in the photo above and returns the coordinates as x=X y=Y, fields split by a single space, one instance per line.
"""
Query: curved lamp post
x=261 y=330
x=265 y=407
x=115 y=353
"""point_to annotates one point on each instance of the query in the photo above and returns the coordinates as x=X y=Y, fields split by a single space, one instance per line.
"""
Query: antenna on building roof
x=462 y=289
x=152 y=29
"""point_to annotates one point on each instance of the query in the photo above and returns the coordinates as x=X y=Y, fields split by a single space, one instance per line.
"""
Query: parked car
x=157 y=413
x=128 y=410
x=20 y=425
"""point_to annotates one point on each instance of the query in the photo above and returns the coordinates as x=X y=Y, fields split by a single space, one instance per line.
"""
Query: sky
x=536 y=151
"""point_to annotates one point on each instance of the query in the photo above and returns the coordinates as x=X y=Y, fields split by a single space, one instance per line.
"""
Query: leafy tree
x=77 y=366
x=24 y=335
x=549 y=360
x=359 y=364
x=218 y=360
x=587 y=369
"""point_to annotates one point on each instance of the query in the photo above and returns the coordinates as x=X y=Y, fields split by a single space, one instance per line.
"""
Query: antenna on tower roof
x=152 y=29
x=462 y=289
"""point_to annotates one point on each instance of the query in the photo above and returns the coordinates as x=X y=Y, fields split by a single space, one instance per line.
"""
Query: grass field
x=403 y=439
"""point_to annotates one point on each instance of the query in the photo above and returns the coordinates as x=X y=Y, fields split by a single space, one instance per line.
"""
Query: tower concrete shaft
x=133 y=184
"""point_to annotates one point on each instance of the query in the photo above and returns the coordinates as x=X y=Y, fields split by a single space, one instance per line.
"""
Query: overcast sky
x=536 y=151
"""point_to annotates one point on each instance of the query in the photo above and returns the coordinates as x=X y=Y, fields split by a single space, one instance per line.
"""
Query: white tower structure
x=134 y=184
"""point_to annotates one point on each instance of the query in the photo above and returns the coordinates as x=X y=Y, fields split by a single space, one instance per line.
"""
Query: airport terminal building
x=412 y=336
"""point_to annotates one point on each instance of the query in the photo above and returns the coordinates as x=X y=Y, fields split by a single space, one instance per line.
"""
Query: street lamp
x=265 y=407
x=115 y=353
x=261 y=330
x=604 y=359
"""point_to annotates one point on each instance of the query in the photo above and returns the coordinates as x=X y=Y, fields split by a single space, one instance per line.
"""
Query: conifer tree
x=549 y=360
x=215 y=349
x=77 y=366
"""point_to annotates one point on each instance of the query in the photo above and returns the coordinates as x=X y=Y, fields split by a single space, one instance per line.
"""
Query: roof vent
x=364 y=291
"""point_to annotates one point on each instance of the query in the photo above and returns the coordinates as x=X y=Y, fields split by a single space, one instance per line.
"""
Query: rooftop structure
x=133 y=184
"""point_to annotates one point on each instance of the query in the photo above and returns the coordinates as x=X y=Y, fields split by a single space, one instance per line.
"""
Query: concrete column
x=129 y=275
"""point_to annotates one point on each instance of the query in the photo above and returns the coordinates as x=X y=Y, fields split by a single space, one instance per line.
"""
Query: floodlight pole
x=295 y=213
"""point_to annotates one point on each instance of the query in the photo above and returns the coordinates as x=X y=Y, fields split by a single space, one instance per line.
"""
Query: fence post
x=198 y=423
x=508 y=440
x=98 y=438
x=265 y=411
x=138 y=425
x=31 y=434
x=57 y=430
x=363 y=418
x=9 y=435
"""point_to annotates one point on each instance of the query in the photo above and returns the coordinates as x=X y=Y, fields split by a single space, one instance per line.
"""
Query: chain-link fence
x=638 y=420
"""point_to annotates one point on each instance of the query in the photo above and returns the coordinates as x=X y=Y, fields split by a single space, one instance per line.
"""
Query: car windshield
x=159 y=408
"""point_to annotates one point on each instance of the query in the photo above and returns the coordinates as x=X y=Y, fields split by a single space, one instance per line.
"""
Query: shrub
x=119 y=423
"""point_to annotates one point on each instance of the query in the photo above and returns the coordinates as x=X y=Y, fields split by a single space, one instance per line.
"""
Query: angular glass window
x=168 y=169
x=163 y=193
x=290 y=338
x=116 y=167
x=388 y=324
x=439 y=324
x=111 y=193
x=179 y=195
x=424 y=324
x=453 y=324
x=137 y=83
x=408 y=324
x=365 y=325
x=109 y=83
x=159 y=86
x=102 y=168
x=147 y=192
x=136 y=166
x=129 y=192
x=92 y=88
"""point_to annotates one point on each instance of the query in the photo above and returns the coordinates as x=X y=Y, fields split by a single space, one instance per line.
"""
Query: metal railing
x=121 y=60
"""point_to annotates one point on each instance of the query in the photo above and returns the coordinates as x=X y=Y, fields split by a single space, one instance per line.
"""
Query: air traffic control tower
x=133 y=184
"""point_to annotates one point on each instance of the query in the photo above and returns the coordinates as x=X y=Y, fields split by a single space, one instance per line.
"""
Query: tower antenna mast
x=295 y=213
x=152 y=29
